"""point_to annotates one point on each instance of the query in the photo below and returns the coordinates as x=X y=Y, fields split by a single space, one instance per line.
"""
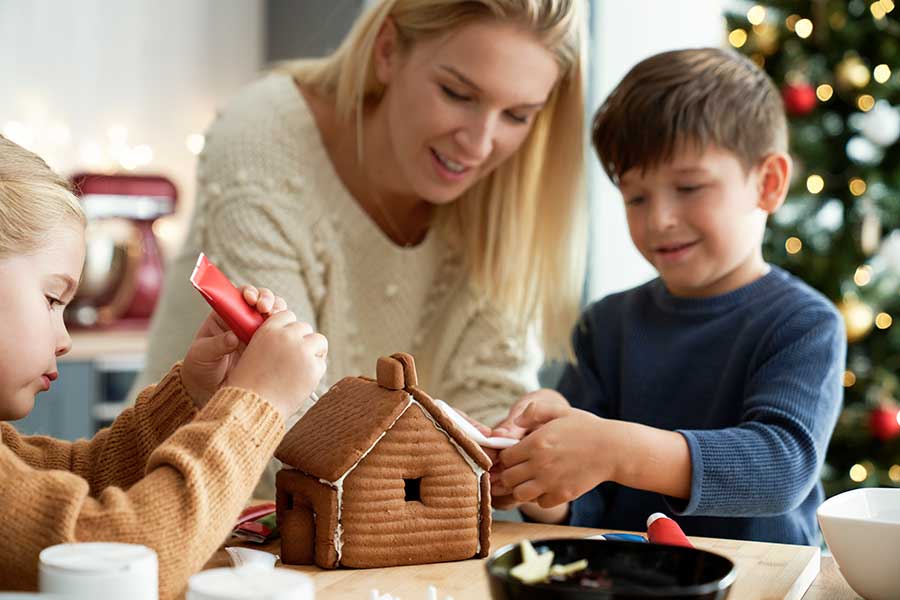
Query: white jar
x=100 y=571
x=250 y=582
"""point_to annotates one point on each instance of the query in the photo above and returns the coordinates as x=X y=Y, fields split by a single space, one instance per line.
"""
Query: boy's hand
x=215 y=349
x=283 y=363
x=566 y=455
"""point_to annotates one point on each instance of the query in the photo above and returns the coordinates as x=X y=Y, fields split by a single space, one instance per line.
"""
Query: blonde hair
x=33 y=200
x=522 y=227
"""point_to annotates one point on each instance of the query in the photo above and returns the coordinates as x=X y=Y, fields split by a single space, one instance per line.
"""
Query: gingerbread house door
x=299 y=516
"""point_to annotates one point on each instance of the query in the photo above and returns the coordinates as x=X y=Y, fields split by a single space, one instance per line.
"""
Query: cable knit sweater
x=272 y=212
x=163 y=475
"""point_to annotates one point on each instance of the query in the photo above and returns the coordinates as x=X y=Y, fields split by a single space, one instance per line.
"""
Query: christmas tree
x=837 y=64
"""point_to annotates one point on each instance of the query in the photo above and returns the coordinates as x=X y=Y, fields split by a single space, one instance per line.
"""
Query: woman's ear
x=774 y=181
x=384 y=52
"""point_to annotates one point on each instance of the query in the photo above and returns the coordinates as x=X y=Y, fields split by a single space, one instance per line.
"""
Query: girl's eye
x=453 y=95
x=53 y=302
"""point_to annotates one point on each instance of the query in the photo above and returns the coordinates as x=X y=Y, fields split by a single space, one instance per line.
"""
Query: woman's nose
x=476 y=138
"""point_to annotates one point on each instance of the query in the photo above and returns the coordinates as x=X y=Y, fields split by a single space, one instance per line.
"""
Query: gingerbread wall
x=382 y=528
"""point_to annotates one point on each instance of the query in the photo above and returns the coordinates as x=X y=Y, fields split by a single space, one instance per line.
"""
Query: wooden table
x=765 y=571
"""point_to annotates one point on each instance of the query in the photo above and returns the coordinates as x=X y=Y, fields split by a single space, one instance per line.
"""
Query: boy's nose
x=662 y=216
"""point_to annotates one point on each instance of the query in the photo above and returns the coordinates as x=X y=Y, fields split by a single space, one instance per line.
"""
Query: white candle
x=100 y=571
x=250 y=582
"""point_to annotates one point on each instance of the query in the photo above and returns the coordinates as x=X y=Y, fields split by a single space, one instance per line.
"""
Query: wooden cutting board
x=765 y=571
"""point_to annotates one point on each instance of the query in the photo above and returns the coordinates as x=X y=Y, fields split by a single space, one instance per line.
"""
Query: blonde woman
x=419 y=190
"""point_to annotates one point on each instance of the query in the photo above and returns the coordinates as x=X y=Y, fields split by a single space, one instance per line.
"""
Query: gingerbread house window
x=413 y=489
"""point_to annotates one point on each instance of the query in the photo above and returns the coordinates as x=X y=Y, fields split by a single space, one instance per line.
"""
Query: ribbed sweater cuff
x=163 y=408
x=256 y=417
x=681 y=507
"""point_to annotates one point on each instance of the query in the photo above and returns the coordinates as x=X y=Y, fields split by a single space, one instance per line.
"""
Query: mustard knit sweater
x=163 y=475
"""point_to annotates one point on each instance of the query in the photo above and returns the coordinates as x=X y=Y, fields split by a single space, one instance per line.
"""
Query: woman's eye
x=453 y=95
x=517 y=118
x=53 y=302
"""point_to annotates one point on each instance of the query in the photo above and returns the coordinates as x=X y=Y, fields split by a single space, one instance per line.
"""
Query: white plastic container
x=100 y=571
x=250 y=582
x=862 y=529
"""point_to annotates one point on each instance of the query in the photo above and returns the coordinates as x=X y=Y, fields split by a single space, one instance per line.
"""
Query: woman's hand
x=216 y=349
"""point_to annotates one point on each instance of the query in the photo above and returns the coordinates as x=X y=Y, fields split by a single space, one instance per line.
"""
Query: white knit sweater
x=271 y=211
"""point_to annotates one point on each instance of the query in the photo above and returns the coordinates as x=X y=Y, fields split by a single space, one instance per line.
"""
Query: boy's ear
x=384 y=51
x=774 y=181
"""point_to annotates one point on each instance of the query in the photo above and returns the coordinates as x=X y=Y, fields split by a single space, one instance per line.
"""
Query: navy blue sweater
x=751 y=379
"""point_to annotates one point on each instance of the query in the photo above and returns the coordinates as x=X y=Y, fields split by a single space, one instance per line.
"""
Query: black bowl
x=631 y=570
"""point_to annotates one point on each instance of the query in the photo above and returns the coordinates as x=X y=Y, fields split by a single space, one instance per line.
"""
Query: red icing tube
x=663 y=530
x=225 y=299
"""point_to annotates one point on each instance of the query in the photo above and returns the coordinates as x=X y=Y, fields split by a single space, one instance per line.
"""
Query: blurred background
x=128 y=87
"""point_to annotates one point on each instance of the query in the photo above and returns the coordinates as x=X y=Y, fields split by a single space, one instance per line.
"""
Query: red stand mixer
x=123 y=271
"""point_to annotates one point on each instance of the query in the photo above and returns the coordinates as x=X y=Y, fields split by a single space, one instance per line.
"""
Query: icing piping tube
x=663 y=530
x=225 y=299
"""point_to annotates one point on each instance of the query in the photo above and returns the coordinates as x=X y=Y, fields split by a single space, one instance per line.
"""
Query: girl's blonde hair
x=522 y=227
x=33 y=200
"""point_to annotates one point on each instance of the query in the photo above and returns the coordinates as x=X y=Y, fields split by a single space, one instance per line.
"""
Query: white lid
x=93 y=558
x=250 y=581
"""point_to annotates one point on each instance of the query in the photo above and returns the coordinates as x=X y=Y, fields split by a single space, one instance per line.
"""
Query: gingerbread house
x=376 y=475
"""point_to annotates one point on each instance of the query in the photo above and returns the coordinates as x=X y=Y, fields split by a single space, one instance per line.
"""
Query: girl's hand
x=283 y=363
x=215 y=349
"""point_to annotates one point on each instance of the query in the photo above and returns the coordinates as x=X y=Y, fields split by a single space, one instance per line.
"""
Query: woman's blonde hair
x=33 y=200
x=522 y=227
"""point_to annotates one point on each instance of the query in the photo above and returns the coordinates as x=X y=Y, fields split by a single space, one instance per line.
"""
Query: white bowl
x=862 y=529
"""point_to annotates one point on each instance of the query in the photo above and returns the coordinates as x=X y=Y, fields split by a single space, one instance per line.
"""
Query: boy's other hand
x=283 y=362
x=565 y=456
x=545 y=401
x=216 y=350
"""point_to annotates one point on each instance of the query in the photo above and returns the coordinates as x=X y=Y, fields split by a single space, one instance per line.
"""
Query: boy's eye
x=689 y=189
x=634 y=201
x=454 y=95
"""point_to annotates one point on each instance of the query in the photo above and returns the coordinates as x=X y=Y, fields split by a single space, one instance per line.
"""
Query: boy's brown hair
x=693 y=97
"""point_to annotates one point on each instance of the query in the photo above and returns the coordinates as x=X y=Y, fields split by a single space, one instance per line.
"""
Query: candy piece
x=538 y=569
x=528 y=551
x=663 y=530
x=572 y=567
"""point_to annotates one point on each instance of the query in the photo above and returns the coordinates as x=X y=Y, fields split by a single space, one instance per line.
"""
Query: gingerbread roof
x=349 y=419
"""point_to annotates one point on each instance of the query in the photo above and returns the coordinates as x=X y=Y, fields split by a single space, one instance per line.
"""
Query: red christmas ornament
x=883 y=423
x=799 y=98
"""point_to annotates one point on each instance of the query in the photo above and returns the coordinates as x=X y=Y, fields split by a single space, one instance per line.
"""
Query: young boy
x=711 y=392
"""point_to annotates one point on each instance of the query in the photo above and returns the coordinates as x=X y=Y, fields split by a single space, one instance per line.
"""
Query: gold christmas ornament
x=765 y=37
x=851 y=73
x=858 y=318
x=870 y=230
